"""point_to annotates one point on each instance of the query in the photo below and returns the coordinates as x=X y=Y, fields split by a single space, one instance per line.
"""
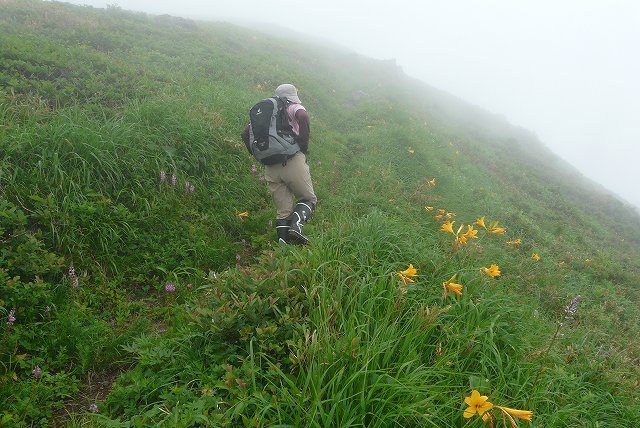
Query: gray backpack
x=271 y=136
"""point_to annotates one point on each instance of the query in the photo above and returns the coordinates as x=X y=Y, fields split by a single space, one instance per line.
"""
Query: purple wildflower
x=571 y=309
x=238 y=257
x=163 y=176
x=174 y=179
x=262 y=178
x=254 y=169
x=75 y=281
x=12 y=316
x=170 y=287
x=189 y=187
x=93 y=408
x=36 y=372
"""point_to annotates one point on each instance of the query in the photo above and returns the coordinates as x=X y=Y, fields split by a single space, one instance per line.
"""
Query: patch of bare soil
x=95 y=388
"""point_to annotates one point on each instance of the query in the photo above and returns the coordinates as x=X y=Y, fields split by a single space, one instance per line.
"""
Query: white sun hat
x=289 y=92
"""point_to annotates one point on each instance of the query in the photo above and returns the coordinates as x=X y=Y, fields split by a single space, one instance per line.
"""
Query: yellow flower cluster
x=460 y=238
x=463 y=233
x=411 y=272
x=493 y=229
x=480 y=405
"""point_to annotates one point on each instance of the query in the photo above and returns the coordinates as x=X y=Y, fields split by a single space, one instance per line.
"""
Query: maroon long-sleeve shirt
x=304 y=127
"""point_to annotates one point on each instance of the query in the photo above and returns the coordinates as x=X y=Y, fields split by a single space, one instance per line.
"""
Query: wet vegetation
x=132 y=293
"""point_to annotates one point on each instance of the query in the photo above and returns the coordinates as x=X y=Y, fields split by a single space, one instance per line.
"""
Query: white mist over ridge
x=567 y=70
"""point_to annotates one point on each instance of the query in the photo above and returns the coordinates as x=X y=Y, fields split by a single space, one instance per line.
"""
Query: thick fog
x=567 y=70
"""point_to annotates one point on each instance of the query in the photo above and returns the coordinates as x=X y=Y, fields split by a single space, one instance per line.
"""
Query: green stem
x=544 y=354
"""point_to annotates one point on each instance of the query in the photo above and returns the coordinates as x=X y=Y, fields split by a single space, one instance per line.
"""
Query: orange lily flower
x=480 y=222
x=405 y=274
x=448 y=227
x=492 y=271
x=477 y=404
x=522 y=414
x=455 y=288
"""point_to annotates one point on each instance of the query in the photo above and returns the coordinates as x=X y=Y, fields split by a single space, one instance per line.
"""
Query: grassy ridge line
x=564 y=270
x=366 y=187
x=559 y=274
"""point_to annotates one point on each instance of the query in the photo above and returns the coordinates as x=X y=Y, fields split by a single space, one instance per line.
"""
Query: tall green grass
x=261 y=335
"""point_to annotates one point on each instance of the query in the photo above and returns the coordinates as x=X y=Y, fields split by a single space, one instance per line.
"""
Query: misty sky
x=568 y=70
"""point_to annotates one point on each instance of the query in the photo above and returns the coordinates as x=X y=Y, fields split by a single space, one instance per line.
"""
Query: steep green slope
x=95 y=105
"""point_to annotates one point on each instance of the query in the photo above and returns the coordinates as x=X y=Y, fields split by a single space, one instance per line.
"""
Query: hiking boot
x=301 y=214
x=282 y=230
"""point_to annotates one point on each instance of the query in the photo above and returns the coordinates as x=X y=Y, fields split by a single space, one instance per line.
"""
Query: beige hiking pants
x=288 y=181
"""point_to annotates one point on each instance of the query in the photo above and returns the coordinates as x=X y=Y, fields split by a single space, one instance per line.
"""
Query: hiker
x=283 y=151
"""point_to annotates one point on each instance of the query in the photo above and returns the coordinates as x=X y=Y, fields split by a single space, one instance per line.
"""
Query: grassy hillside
x=133 y=294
